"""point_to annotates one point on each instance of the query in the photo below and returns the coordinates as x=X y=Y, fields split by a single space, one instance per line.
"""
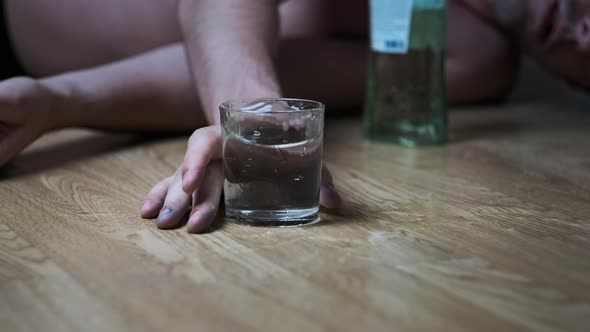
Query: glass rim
x=227 y=105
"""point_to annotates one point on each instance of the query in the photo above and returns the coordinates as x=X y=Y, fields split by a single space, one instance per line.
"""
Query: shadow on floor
x=484 y=130
x=63 y=153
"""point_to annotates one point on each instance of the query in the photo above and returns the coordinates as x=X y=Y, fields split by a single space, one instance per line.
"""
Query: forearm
x=150 y=92
x=231 y=46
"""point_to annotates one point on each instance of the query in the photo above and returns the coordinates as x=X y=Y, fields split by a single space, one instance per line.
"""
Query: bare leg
x=138 y=89
x=76 y=36
x=53 y=37
x=481 y=65
x=147 y=92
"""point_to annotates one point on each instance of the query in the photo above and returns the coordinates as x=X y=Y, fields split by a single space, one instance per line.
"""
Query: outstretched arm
x=231 y=46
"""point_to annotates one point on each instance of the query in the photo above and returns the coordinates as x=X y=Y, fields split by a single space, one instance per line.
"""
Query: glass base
x=273 y=218
x=407 y=135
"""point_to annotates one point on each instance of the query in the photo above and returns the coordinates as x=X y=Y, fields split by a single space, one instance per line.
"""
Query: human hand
x=198 y=183
x=25 y=107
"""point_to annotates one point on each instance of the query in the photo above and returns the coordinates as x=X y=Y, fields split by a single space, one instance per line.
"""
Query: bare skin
x=555 y=33
x=122 y=78
x=150 y=68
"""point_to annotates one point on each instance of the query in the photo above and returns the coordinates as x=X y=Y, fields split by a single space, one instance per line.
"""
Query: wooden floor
x=490 y=233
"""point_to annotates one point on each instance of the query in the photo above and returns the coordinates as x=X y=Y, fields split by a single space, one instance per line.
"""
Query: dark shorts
x=9 y=64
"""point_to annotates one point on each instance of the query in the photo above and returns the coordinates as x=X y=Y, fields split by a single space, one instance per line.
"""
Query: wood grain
x=490 y=233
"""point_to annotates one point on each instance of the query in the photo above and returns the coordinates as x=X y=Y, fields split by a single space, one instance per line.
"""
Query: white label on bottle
x=391 y=21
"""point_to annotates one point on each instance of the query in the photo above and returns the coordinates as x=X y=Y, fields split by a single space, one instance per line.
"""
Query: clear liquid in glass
x=272 y=176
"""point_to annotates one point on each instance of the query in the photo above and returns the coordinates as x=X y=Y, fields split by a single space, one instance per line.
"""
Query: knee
x=481 y=83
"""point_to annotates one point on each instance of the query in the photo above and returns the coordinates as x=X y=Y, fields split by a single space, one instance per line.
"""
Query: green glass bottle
x=406 y=90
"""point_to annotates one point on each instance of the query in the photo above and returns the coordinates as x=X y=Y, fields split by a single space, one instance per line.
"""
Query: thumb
x=329 y=198
x=12 y=141
x=13 y=99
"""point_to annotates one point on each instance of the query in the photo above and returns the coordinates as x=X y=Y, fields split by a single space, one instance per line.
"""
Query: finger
x=175 y=205
x=206 y=202
x=329 y=197
x=154 y=200
x=203 y=146
x=12 y=141
x=13 y=94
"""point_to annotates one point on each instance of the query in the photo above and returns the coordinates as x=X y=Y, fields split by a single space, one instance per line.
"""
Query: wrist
x=60 y=106
x=253 y=91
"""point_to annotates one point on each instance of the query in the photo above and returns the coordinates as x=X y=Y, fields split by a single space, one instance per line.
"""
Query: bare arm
x=231 y=46
x=150 y=92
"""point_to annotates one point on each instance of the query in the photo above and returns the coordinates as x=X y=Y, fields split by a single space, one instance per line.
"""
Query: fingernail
x=166 y=211
x=164 y=216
